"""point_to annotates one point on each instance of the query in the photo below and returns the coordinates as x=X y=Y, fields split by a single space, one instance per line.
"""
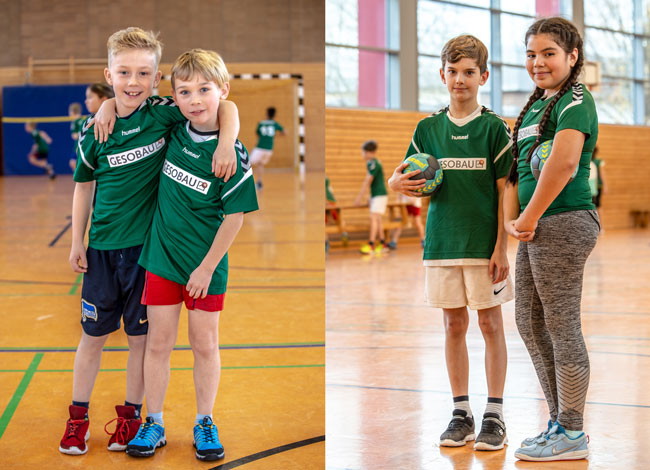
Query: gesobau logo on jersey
x=134 y=155
x=463 y=163
x=186 y=179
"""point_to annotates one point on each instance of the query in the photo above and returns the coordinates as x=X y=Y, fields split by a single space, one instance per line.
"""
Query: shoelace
x=207 y=432
x=121 y=428
x=146 y=432
x=73 y=426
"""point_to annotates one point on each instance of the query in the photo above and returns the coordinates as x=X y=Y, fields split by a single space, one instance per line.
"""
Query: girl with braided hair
x=557 y=226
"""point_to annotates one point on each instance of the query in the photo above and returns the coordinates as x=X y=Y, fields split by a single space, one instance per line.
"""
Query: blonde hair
x=208 y=64
x=134 y=38
x=74 y=108
x=465 y=46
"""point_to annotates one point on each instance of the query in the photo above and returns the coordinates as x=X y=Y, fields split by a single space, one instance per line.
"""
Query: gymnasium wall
x=241 y=30
x=623 y=148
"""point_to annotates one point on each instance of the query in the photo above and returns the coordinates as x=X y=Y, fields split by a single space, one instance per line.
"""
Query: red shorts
x=414 y=211
x=160 y=291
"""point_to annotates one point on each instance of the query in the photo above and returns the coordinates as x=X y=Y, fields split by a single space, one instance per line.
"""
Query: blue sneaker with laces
x=206 y=441
x=150 y=436
x=556 y=445
x=529 y=441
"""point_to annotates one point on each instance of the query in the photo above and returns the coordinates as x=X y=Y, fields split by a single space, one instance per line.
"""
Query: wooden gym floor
x=388 y=396
x=270 y=408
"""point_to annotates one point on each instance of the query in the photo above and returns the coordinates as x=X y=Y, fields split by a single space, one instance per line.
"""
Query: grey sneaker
x=529 y=441
x=459 y=431
x=493 y=433
x=555 y=446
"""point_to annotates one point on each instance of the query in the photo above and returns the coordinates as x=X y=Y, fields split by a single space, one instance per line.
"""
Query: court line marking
x=259 y=268
x=182 y=347
x=60 y=234
x=18 y=394
x=281 y=366
x=76 y=285
x=267 y=453
x=446 y=392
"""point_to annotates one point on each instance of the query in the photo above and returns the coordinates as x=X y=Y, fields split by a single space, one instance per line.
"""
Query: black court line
x=268 y=453
x=56 y=239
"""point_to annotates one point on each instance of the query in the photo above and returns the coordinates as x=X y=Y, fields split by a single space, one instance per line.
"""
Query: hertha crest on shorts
x=88 y=310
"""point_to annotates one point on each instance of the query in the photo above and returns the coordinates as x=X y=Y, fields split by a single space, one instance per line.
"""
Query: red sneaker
x=126 y=428
x=76 y=432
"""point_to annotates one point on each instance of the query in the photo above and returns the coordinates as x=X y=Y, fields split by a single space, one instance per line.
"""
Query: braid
x=513 y=176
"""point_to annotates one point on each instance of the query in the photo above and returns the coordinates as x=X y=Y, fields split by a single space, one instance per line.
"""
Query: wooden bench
x=640 y=218
x=396 y=217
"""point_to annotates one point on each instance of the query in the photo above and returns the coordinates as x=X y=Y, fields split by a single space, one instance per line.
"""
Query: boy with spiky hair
x=185 y=254
x=126 y=167
x=465 y=248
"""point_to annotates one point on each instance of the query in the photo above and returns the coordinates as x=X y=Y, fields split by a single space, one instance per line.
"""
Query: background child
x=263 y=151
x=597 y=183
x=37 y=155
x=413 y=210
x=191 y=265
x=126 y=168
x=556 y=222
x=465 y=245
x=378 y=197
x=74 y=111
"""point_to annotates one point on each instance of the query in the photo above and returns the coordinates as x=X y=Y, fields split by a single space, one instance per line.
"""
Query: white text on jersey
x=134 y=155
x=186 y=179
x=190 y=153
x=462 y=163
x=131 y=131
x=460 y=137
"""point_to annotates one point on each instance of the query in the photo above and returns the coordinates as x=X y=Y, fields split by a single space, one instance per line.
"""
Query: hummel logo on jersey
x=243 y=156
x=527 y=132
x=535 y=110
x=186 y=179
x=132 y=131
x=88 y=311
x=134 y=155
x=191 y=154
x=463 y=163
x=460 y=137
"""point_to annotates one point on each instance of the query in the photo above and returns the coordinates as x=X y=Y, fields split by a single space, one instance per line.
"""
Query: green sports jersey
x=463 y=214
x=192 y=204
x=127 y=170
x=41 y=145
x=329 y=195
x=574 y=110
x=377 y=187
x=76 y=125
x=266 y=131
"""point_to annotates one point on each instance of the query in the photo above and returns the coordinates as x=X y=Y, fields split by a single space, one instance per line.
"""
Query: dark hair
x=270 y=112
x=566 y=35
x=102 y=90
x=370 y=146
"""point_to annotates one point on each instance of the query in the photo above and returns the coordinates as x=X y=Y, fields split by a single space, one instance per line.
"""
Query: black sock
x=83 y=404
x=138 y=408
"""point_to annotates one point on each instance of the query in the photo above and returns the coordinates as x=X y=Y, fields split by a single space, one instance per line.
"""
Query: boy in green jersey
x=76 y=123
x=263 y=151
x=126 y=167
x=378 y=197
x=37 y=155
x=465 y=243
x=185 y=254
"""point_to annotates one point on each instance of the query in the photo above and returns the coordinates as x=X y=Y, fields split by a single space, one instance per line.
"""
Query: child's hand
x=510 y=229
x=523 y=224
x=78 y=261
x=224 y=161
x=499 y=266
x=400 y=182
x=104 y=120
x=199 y=282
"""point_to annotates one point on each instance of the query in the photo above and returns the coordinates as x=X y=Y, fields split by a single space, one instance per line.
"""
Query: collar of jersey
x=467 y=119
x=199 y=136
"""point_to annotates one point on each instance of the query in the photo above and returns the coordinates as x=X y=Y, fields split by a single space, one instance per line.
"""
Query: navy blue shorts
x=112 y=288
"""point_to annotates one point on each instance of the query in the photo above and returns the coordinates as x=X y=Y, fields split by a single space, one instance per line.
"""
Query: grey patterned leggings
x=548 y=291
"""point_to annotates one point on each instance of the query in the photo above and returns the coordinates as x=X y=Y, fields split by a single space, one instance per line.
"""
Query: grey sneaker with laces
x=459 y=431
x=493 y=433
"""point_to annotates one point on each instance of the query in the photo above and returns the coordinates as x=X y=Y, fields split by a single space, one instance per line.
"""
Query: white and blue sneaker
x=206 y=441
x=529 y=441
x=556 y=445
x=150 y=436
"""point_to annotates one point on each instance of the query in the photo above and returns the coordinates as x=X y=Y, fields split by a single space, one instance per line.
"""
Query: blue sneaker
x=150 y=436
x=206 y=441
x=529 y=441
x=556 y=445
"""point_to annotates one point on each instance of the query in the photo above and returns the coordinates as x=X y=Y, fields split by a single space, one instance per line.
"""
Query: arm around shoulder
x=224 y=160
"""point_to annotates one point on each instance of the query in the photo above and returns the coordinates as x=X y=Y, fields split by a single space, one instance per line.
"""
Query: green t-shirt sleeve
x=415 y=145
x=502 y=150
x=239 y=194
x=165 y=110
x=279 y=127
x=373 y=168
x=86 y=155
x=577 y=114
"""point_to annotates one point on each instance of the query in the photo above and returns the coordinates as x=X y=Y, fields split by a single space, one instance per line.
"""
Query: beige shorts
x=259 y=155
x=378 y=204
x=460 y=286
